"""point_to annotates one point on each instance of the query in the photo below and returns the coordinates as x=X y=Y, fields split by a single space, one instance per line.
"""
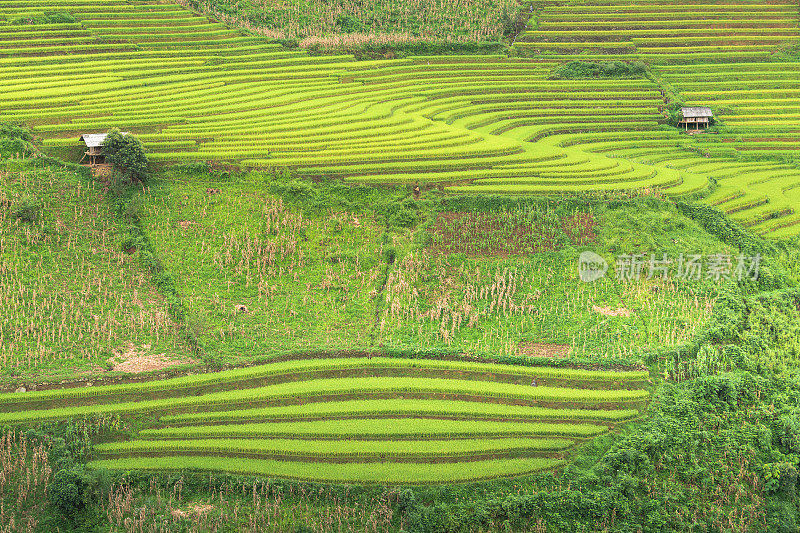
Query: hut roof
x=696 y=112
x=93 y=140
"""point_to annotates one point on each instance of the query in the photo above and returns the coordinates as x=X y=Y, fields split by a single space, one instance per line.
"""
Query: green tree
x=126 y=153
x=15 y=140
x=66 y=493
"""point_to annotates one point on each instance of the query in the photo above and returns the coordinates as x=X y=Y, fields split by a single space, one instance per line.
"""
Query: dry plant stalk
x=455 y=305
x=256 y=507
x=24 y=477
x=426 y=20
x=67 y=290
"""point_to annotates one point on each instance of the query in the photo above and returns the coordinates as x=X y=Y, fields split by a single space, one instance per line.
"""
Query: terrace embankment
x=394 y=420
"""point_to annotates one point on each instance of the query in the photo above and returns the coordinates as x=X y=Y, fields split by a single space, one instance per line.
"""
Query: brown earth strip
x=345 y=459
x=533 y=381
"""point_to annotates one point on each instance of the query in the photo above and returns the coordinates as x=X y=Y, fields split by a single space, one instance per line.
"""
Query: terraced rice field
x=196 y=90
x=677 y=31
x=193 y=89
x=352 y=419
x=758 y=104
x=731 y=58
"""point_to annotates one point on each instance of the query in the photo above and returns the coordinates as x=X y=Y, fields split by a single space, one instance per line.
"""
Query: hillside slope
x=480 y=124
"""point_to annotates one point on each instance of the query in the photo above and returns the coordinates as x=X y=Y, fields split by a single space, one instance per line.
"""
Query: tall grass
x=261 y=275
x=24 y=477
x=493 y=305
x=255 y=507
x=69 y=294
x=461 y=20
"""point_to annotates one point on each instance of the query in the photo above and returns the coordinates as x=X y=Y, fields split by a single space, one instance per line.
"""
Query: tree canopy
x=126 y=153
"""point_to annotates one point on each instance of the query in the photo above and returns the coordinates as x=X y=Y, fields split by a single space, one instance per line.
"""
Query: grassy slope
x=306 y=281
x=324 y=287
x=70 y=295
x=265 y=268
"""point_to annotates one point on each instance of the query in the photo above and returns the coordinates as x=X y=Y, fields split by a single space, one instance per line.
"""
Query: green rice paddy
x=196 y=90
x=461 y=424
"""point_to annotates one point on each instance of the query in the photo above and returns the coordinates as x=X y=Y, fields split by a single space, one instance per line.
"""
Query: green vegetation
x=377 y=408
x=344 y=292
x=15 y=141
x=464 y=122
x=475 y=20
x=590 y=69
x=397 y=473
x=755 y=102
x=326 y=274
x=71 y=295
x=378 y=428
x=126 y=153
x=43 y=18
x=770 y=335
x=321 y=368
x=433 y=450
x=445 y=397
x=666 y=32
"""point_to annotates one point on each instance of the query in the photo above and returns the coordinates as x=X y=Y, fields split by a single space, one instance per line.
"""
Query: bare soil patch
x=194 y=510
x=186 y=224
x=101 y=171
x=132 y=359
x=607 y=311
x=541 y=349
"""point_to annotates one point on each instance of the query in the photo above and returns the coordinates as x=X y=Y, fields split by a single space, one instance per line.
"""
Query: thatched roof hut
x=700 y=117
x=94 y=146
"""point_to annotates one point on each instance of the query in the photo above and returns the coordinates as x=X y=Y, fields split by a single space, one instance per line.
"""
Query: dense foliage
x=51 y=17
x=439 y=20
x=127 y=154
x=717 y=453
x=592 y=69
x=15 y=140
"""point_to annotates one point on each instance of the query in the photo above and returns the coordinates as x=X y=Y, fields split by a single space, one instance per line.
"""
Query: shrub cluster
x=15 y=140
x=44 y=18
x=126 y=153
x=577 y=70
x=377 y=46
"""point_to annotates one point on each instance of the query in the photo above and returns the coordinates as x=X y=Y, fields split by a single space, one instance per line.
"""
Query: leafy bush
x=716 y=223
x=771 y=334
x=380 y=47
x=294 y=189
x=66 y=493
x=575 y=70
x=193 y=167
x=44 y=18
x=28 y=209
x=15 y=140
x=401 y=215
x=127 y=155
x=390 y=254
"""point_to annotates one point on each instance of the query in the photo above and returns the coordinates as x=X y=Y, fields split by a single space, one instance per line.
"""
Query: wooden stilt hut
x=695 y=118
x=94 y=147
